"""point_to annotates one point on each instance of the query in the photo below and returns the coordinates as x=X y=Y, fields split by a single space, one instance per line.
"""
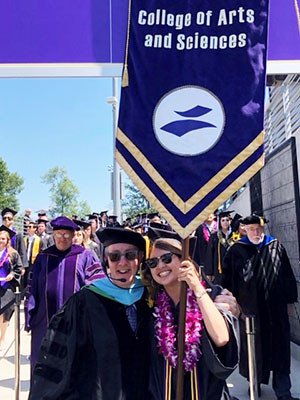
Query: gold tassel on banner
x=125 y=78
x=125 y=81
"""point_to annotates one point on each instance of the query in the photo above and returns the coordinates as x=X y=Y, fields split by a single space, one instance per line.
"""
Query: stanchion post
x=18 y=296
x=250 y=332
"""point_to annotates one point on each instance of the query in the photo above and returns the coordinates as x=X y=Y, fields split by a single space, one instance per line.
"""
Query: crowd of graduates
x=51 y=260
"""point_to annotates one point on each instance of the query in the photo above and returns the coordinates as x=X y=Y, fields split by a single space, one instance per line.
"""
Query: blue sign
x=191 y=114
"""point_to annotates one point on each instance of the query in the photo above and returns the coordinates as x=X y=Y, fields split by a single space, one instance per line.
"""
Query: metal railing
x=282 y=116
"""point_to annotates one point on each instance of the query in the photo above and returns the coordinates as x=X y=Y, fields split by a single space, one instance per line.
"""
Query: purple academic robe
x=56 y=276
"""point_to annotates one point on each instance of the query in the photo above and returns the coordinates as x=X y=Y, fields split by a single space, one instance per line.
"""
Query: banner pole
x=181 y=327
x=18 y=295
x=250 y=332
x=17 y=342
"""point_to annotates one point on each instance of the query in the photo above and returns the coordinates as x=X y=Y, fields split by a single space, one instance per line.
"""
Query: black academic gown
x=244 y=268
x=216 y=250
x=200 y=254
x=91 y=353
x=214 y=366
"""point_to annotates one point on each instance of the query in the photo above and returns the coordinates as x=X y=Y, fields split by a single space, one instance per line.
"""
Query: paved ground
x=238 y=385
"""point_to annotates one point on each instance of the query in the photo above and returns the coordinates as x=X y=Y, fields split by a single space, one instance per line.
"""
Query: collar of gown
x=126 y=296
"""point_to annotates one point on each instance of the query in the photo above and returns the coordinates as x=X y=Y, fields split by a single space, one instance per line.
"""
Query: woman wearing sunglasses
x=10 y=272
x=210 y=344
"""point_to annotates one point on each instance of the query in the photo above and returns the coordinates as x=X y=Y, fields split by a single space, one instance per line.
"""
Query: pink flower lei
x=166 y=331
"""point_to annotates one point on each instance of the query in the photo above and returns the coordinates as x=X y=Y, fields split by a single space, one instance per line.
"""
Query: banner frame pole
x=250 y=332
x=181 y=327
x=18 y=295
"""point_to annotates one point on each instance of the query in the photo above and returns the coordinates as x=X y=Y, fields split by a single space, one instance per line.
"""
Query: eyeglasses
x=8 y=218
x=115 y=256
x=153 y=262
x=62 y=235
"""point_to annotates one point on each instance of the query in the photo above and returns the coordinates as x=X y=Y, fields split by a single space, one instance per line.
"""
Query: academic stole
x=195 y=395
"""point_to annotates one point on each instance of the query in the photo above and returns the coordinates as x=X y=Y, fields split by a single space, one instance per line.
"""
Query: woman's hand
x=9 y=277
x=189 y=274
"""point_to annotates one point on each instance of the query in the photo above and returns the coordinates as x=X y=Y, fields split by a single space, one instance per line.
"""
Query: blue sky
x=63 y=122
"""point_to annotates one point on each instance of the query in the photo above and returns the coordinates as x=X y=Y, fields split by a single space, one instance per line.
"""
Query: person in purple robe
x=58 y=272
x=10 y=271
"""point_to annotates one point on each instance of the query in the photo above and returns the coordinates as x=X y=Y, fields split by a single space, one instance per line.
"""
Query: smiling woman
x=210 y=342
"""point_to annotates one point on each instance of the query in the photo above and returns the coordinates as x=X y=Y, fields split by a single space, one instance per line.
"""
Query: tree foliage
x=64 y=194
x=11 y=184
x=135 y=202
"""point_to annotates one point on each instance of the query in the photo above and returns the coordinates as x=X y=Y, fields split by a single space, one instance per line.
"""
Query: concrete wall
x=242 y=204
x=280 y=197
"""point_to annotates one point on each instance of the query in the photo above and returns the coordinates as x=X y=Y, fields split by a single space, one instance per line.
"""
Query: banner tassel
x=125 y=81
x=125 y=78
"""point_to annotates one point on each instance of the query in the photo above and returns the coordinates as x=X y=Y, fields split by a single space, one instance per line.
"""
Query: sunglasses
x=8 y=218
x=130 y=255
x=153 y=262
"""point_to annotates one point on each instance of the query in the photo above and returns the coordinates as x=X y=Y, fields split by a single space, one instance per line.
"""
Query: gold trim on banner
x=185 y=232
x=202 y=192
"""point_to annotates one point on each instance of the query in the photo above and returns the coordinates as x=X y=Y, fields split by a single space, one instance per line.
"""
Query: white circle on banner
x=189 y=120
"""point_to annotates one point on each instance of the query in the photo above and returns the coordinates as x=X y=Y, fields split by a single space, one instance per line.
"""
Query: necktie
x=131 y=316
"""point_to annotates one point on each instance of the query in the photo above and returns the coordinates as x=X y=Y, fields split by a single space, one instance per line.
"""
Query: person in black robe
x=17 y=242
x=218 y=244
x=258 y=272
x=213 y=356
x=203 y=234
x=97 y=345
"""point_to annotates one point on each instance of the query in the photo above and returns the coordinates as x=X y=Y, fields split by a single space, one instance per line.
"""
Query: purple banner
x=93 y=31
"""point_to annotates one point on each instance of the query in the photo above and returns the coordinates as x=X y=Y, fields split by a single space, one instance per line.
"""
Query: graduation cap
x=82 y=224
x=226 y=213
x=108 y=236
x=9 y=231
x=155 y=234
x=113 y=217
x=8 y=210
x=158 y=225
x=63 y=222
x=103 y=213
x=235 y=223
x=92 y=216
x=153 y=215
x=255 y=218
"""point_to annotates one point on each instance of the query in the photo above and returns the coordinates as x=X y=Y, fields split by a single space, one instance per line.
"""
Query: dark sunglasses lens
x=114 y=257
x=151 y=262
x=131 y=255
x=166 y=258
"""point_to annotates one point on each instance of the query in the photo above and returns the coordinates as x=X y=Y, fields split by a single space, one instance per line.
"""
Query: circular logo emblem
x=188 y=120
